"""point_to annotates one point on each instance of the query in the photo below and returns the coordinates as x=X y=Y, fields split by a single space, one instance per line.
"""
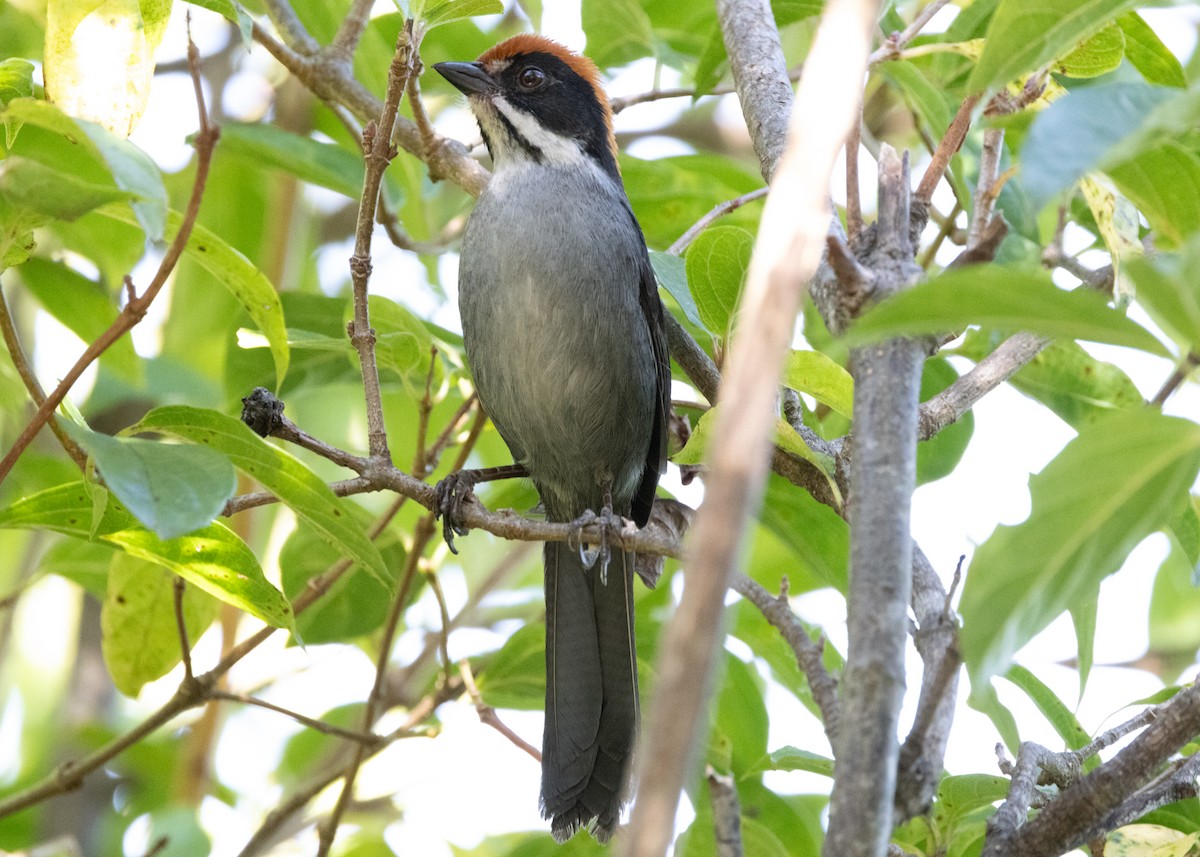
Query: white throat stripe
x=555 y=148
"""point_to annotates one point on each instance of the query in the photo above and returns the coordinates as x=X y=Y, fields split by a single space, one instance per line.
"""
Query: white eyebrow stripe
x=554 y=148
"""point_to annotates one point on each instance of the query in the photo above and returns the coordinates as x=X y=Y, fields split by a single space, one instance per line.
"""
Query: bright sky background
x=486 y=785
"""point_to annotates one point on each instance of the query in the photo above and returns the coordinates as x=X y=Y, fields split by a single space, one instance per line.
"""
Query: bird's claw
x=589 y=555
x=451 y=493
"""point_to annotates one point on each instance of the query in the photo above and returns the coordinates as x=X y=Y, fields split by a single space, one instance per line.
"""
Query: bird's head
x=536 y=102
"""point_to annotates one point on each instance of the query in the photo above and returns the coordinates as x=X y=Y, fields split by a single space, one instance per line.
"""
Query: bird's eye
x=531 y=77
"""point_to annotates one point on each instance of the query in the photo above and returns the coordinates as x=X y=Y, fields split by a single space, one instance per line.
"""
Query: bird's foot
x=451 y=493
x=608 y=524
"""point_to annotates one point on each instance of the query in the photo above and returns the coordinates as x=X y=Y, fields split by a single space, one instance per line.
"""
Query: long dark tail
x=591 y=692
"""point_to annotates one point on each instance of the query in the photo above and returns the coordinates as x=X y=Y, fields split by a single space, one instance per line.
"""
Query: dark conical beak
x=468 y=77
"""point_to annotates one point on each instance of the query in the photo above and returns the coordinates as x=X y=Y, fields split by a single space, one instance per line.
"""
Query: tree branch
x=13 y=343
x=137 y=306
x=787 y=252
x=882 y=478
x=778 y=612
x=727 y=814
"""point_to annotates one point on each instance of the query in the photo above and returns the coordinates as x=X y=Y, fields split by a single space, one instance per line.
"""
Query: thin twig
x=989 y=166
x=487 y=714
x=138 y=305
x=289 y=26
x=301 y=798
x=718 y=211
x=378 y=153
x=1182 y=371
x=328 y=828
x=444 y=632
x=353 y=25
x=945 y=230
x=368 y=738
x=950 y=143
x=185 y=647
x=342 y=488
x=854 y=218
x=13 y=343
x=453 y=427
x=778 y=612
x=892 y=45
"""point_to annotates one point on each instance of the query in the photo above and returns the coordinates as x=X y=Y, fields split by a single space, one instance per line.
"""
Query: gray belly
x=558 y=344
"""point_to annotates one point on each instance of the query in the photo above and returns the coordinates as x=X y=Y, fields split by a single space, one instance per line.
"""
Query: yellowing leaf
x=99 y=58
x=1118 y=222
x=1095 y=56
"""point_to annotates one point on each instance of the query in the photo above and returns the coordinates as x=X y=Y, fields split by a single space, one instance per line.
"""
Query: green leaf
x=403 y=342
x=938 y=456
x=1098 y=55
x=790 y=758
x=1164 y=182
x=966 y=793
x=785 y=437
x=515 y=676
x=355 y=604
x=236 y=273
x=139 y=633
x=669 y=195
x=984 y=699
x=1072 y=383
x=66 y=509
x=716 y=264
x=618 y=31
x=217 y=561
x=1007 y=299
x=171 y=489
x=927 y=99
x=1088 y=129
x=131 y=169
x=1170 y=293
x=817 y=535
x=741 y=716
x=86 y=308
x=31 y=185
x=822 y=378
x=438 y=12
x=1052 y=708
x=671 y=273
x=1118 y=481
x=16 y=233
x=16 y=81
x=99 y=57
x=286 y=477
x=1175 y=605
x=213 y=559
x=1026 y=34
x=1146 y=52
x=234 y=14
x=1083 y=617
x=326 y=165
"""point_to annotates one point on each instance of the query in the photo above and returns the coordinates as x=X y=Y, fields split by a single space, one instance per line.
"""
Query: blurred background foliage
x=262 y=297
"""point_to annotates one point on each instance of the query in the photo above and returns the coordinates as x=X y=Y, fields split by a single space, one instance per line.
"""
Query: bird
x=563 y=330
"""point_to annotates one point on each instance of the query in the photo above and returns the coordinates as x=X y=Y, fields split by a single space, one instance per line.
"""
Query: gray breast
x=559 y=347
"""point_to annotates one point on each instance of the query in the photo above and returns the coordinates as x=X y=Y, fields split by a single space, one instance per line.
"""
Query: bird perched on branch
x=564 y=335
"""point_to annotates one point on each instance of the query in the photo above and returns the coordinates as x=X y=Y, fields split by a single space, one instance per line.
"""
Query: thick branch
x=760 y=75
x=1079 y=814
x=882 y=479
x=787 y=252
